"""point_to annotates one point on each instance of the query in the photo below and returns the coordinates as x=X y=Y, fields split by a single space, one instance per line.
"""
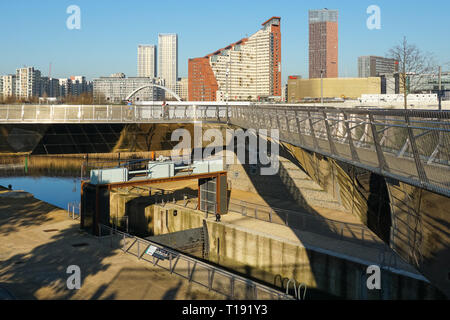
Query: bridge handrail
x=411 y=146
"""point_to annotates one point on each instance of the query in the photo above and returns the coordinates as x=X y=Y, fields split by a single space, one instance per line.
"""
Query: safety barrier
x=215 y=279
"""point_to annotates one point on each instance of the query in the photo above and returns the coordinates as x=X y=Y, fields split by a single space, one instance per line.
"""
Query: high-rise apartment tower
x=247 y=70
x=323 y=43
x=168 y=59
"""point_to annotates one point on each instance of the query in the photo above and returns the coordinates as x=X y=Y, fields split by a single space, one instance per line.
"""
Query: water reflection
x=56 y=191
x=55 y=179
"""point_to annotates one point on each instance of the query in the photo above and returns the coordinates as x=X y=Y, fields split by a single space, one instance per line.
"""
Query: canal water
x=58 y=191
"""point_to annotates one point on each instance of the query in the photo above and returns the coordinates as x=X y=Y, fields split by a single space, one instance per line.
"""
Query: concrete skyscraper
x=147 y=61
x=323 y=43
x=168 y=59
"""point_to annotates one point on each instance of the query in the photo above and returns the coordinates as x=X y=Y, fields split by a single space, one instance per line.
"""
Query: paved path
x=38 y=242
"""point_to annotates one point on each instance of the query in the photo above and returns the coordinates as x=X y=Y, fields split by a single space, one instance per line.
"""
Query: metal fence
x=338 y=230
x=74 y=210
x=412 y=146
x=109 y=113
x=213 y=278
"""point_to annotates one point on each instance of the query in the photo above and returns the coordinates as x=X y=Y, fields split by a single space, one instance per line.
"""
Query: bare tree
x=414 y=65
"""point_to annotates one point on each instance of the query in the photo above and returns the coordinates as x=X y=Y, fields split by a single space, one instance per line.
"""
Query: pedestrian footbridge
x=411 y=146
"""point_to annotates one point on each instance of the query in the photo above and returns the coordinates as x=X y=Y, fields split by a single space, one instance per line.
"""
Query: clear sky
x=34 y=33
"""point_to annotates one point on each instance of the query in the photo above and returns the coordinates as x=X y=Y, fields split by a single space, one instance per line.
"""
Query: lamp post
x=228 y=94
x=321 y=86
x=440 y=89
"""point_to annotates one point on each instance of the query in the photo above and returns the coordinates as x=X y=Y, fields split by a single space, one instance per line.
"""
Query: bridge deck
x=410 y=146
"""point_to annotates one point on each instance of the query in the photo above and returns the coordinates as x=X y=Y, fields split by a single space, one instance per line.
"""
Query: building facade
x=8 y=85
x=247 y=70
x=373 y=66
x=183 y=88
x=323 y=43
x=50 y=87
x=428 y=82
x=79 y=85
x=115 y=90
x=168 y=59
x=343 y=88
x=147 y=61
x=28 y=83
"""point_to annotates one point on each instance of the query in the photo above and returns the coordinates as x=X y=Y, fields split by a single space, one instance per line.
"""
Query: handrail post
x=420 y=170
x=232 y=287
x=381 y=159
x=313 y=134
x=333 y=149
x=300 y=137
x=355 y=156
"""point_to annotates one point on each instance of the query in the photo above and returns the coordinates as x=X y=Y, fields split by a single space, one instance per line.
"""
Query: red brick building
x=323 y=43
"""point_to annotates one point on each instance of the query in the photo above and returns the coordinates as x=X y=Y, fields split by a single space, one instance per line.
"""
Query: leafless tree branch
x=412 y=62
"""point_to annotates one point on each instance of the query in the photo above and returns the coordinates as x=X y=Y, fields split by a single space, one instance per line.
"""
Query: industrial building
x=346 y=88
x=323 y=43
x=247 y=70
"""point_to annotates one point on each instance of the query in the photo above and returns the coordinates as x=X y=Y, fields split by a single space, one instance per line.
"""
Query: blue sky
x=34 y=33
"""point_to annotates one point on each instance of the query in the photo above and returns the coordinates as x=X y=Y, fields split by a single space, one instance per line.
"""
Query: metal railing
x=339 y=230
x=306 y=222
x=109 y=113
x=412 y=146
x=74 y=210
x=215 y=279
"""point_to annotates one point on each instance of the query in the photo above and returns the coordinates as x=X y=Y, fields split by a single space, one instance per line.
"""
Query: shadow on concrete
x=26 y=213
x=42 y=271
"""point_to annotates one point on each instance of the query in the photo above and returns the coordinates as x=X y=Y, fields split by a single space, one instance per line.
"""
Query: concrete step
x=289 y=181
x=307 y=184
x=311 y=197
x=298 y=174
x=288 y=164
x=304 y=189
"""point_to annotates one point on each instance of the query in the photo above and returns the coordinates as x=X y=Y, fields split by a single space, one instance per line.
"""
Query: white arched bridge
x=153 y=86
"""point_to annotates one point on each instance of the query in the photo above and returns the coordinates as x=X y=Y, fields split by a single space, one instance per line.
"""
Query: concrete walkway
x=38 y=242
